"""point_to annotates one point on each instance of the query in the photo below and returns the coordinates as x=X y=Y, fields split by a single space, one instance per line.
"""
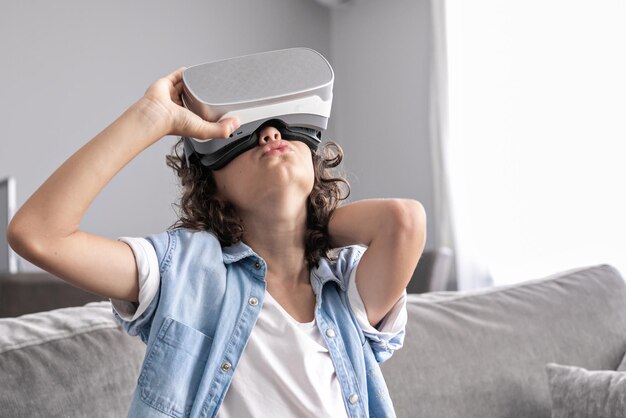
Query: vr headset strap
x=222 y=157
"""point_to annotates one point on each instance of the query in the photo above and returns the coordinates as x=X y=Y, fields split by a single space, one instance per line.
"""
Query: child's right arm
x=45 y=229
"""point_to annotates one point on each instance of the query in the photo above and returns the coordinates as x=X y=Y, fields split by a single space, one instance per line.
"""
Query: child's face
x=275 y=169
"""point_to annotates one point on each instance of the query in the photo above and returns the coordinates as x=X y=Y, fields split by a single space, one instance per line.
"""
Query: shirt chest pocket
x=173 y=368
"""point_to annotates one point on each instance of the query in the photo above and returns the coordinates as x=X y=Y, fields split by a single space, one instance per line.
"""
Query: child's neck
x=281 y=243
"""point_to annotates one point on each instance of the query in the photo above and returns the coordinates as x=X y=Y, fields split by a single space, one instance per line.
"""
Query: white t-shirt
x=285 y=369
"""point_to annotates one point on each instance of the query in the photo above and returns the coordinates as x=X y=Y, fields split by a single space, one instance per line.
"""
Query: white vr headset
x=290 y=89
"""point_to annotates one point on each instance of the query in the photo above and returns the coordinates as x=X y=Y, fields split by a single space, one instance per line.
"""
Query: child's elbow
x=409 y=230
x=408 y=218
x=19 y=238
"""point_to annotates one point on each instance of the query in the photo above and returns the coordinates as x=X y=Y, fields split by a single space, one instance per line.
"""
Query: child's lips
x=276 y=148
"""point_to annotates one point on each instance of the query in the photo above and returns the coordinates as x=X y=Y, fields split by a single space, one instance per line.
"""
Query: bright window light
x=537 y=126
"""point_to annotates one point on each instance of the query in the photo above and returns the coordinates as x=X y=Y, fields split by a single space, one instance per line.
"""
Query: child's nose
x=268 y=134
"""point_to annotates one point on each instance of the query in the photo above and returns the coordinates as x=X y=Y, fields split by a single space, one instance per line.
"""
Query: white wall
x=381 y=52
x=69 y=68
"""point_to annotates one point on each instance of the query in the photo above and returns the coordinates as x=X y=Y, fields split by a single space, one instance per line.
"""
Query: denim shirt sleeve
x=389 y=334
x=136 y=318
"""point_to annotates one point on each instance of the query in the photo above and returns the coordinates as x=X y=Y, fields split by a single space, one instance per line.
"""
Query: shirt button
x=353 y=398
x=226 y=366
x=257 y=265
x=253 y=301
x=330 y=332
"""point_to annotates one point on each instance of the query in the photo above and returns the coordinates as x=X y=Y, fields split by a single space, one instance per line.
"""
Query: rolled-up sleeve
x=136 y=317
x=389 y=335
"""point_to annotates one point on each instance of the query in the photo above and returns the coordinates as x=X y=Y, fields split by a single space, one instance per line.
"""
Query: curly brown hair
x=201 y=208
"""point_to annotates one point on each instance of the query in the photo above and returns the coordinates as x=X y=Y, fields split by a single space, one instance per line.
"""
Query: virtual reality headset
x=290 y=89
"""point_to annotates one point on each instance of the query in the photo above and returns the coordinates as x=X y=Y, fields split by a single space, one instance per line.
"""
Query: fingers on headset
x=177 y=75
x=229 y=126
x=204 y=130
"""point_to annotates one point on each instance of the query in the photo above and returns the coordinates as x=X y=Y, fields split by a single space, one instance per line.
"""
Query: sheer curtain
x=530 y=121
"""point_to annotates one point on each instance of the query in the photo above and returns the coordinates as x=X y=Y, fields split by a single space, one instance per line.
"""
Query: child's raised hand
x=45 y=229
x=165 y=106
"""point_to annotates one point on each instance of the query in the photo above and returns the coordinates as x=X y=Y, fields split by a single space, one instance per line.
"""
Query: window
x=537 y=133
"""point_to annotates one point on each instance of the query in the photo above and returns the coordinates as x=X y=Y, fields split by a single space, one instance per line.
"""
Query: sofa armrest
x=71 y=362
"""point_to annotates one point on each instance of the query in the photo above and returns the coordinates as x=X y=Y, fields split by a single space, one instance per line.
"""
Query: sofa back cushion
x=71 y=362
x=483 y=353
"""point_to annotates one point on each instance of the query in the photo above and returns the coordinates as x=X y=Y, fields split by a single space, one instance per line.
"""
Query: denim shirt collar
x=237 y=252
x=319 y=275
x=323 y=274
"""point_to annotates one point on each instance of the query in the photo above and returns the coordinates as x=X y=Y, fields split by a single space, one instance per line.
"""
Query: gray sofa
x=467 y=354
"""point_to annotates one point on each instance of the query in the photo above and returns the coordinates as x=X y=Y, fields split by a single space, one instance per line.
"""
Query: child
x=244 y=310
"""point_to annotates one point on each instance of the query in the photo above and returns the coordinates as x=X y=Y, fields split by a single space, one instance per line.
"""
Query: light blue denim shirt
x=198 y=324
